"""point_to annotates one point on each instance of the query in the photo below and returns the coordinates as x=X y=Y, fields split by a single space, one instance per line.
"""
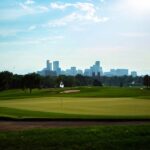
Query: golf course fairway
x=51 y=107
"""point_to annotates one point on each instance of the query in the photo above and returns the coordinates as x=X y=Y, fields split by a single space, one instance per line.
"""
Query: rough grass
x=91 y=138
x=71 y=107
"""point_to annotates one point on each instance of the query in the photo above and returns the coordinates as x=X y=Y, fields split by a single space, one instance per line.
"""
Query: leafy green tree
x=17 y=81
x=5 y=80
x=146 y=81
x=68 y=81
x=97 y=82
x=48 y=82
x=31 y=81
x=80 y=80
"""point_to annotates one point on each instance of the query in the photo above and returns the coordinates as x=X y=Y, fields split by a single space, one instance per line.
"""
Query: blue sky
x=76 y=32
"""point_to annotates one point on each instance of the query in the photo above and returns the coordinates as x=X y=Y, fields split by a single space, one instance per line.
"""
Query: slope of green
x=25 y=114
x=21 y=113
x=91 y=138
x=116 y=107
x=84 y=92
x=103 y=102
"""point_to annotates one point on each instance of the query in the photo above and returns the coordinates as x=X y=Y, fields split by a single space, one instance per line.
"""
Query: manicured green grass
x=101 y=102
x=90 y=102
x=21 y=113
x=25 y=114
x=87 y=138
x=71 y=107
x=84 y=92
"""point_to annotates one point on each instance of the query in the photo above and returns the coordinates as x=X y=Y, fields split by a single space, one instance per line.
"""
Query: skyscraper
x=133 y=73
x=48 y=65
x=56 y=67
x=97 y=63
x=96 y=68
x=121 y=72
x=73 y=71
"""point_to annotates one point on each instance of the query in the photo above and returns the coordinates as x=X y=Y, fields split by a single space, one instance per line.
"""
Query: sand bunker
x=70 y=91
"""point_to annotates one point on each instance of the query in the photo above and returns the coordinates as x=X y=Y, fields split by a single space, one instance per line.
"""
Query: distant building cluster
x=117 y=72
x=53 y=69
x=120 y=72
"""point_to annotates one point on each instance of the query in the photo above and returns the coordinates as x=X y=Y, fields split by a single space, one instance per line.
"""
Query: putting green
x=83 y=106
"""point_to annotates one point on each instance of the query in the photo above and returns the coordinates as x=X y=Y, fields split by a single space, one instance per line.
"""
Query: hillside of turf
x=90 y=102
x=75 y=107
x=112 y=92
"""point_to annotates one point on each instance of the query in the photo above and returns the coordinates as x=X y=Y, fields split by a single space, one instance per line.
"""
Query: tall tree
x=5 y=80
x=146 y=81
x=31 y=81
x=17 y=81
x=97 y=82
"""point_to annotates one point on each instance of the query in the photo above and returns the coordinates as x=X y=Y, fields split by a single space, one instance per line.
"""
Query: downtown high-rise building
x=53 y=69
x=94 y=70
x=48 y=65
x=56 y=67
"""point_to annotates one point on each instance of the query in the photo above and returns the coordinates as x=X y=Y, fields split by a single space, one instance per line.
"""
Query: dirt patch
x=70 y=91
x=25 y=125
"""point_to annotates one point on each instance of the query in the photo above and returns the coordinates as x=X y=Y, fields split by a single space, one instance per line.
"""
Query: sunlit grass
x=83 y=106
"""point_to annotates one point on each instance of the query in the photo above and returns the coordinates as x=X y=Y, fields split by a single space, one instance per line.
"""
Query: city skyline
x=76 y=32
x=53 y=68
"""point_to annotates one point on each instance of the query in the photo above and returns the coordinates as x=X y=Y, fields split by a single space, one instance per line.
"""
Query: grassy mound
x=84 y=92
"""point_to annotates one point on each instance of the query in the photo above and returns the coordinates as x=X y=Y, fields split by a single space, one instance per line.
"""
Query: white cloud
x=88 y=7
x=27 y=9
x=82 y=12
x=60 y=6
x=43 y=8
x=29 y=2
x=75 y=17
x=33 y=9
x=91 y=13
x=33 y=27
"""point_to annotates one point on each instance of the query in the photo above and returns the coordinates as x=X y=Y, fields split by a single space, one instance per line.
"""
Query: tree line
x=30 y=81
